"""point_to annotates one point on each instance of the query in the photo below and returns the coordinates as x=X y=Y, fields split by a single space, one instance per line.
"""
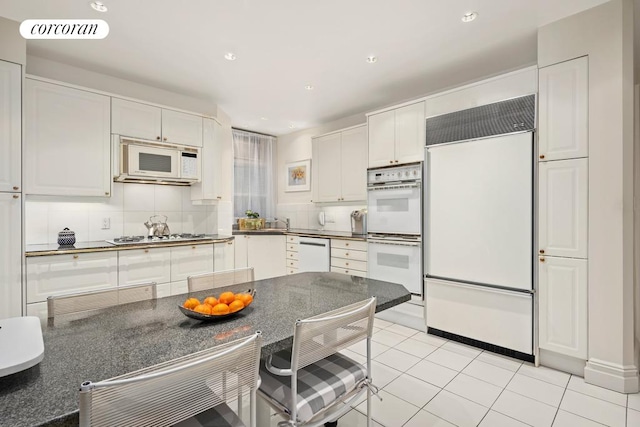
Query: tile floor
x=428 y=381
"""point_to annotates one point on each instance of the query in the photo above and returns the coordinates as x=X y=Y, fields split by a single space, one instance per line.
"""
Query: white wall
x=605 y=33
x=13 y=47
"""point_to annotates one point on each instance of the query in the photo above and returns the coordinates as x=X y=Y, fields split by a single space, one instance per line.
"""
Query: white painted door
x=223 y=256
x=563 y=208
x=564 y=110
x=266 y=254
x=136 y=120
x=240 y=250
x=144 y=266
x=11 y=126
x=191 y=260
x=181 y=128
x=10 y=255
x=563 y=305
x=354 y=164
x=328 y=164
x=410 y=133
x=67 y=141
x=381 y=130
x=211 y=175
x=61 y=274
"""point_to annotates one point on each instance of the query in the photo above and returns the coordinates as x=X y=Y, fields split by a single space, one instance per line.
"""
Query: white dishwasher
x=314 y=254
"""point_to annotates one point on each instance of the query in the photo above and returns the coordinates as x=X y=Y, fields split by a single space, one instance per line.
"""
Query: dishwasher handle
x=322 y=245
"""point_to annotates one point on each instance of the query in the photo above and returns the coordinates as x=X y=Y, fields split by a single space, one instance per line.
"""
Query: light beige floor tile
x=474 y=389
x=379 y=323
x=427 y=419
x=577 y=384
x=500 y=361
x=354 y=356
x=634 y=401
x=391 y=411
x=489 y=373
x=496 y=419
x=413 y=390
x=416 y=348
x=429 y=339
x=355 y=418
x=388 y=338
x=594 y=409
x=633 y=418
x=567 y=419
x=536 y=389
x=524 y=409
x=397 y=359
x=383 y=374
x=455 y=409
x=361 y=348
x=462 y=349
x=552 y=376
x=449 y=359
x=402 y=330
x=432 y=373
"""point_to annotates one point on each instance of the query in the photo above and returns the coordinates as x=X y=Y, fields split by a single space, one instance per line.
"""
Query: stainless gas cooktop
x=140 y=240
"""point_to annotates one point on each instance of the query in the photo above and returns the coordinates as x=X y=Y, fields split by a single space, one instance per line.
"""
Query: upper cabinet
x=217 y=163
x=67 y=141
x=397 y=136
x=340 y=166
x=145 y=121
x=563 y=110
x=11 y=129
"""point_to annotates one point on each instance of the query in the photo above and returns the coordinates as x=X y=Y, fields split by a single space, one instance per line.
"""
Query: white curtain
x=254 y=173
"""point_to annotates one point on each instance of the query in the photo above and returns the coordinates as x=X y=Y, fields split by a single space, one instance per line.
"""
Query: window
x=254 y=171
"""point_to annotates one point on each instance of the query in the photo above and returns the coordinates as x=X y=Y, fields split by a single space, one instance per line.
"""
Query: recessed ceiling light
x=309 y=87
x=263 y=118
x=230 y=56
x=469 y=16
x=371 y=59
x=292 y=126
x=99 y=6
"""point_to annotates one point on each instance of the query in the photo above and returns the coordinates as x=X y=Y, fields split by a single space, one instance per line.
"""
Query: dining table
x=105 y=343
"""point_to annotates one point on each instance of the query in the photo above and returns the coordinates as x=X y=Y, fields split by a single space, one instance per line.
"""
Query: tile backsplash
x=305 y=215
x=129 y=206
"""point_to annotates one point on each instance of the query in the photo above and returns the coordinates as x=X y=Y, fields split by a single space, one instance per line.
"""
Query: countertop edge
x=311 y=233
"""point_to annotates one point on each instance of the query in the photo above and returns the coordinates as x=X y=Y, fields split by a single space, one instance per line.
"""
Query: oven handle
x=416 y=184
x=393 y=242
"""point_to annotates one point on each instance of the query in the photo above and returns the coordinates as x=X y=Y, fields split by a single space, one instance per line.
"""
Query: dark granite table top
x=117 y=340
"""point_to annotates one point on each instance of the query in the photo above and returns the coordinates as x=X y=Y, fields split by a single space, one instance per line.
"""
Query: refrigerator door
x=479 y=211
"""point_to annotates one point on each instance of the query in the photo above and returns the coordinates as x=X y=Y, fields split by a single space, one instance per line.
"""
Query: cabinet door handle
x=346 y=272
x=158 y=138
x=346 y=244
x=146 y=251
x=219 y=197
x=15 y=196
x=347 y=254
x=542 y=156
x=193 y=247
x=346 y=263
x=229 y=243
x=164 y=139
x=16 y=188
x=106 y=193
x=541 y=251
x=541 y=259
x=75 y=257
x=391 y=161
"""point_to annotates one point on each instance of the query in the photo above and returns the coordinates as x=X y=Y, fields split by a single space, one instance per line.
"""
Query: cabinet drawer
x=61 y=274
x=349 y=272
x=190 y=260
x=292 y=239
x=293 y=247
x=143 y=266
x=292 y=255
x=291 y=270
x=358 y=245
x=349 y=264
x=292 y=263
x=349 y=254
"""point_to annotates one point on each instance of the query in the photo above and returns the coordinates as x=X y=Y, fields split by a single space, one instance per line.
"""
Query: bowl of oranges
x=214 y=308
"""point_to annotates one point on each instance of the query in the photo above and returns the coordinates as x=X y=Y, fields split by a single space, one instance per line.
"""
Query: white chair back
x=219 y=279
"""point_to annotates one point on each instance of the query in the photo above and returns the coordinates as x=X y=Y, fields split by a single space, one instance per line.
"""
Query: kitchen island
x=110 y=342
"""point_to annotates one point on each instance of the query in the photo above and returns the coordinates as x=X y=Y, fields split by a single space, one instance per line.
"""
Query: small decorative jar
x=66 y=237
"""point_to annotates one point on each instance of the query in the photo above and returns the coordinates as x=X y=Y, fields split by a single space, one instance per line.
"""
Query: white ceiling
x=283 y=45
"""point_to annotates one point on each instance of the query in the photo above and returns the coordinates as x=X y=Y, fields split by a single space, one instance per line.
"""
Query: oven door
x=394 y=209
x=397 y=262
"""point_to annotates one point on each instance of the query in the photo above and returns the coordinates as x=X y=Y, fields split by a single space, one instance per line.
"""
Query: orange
x=191 y=303
x=226 y=297
x=245 y=298
x=212 y=301
x=236 y=306
x=221 y=309
x=203 y=308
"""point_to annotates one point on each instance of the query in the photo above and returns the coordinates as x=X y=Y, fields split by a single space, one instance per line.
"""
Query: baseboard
x=562 y=363
x=620 y=378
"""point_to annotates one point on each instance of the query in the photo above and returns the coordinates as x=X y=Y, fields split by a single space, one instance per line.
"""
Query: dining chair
x=219 y=279
x=190 y=391
x=103 y=298
x=312 y=383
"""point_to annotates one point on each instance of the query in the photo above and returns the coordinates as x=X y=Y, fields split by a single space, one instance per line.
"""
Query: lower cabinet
x=190 y=260
x=349 y=257
x=263 y=253
x=291 y=256
x=562 y=297
x=146 y=265
x=10 y=255
x=223 y=256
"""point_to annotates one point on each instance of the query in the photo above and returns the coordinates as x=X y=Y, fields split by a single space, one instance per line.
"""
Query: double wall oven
x=394 y=225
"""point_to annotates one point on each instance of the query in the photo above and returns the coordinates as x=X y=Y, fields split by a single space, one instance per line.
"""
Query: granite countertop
x=110 y=342
x=102 y=246
x=302 y=232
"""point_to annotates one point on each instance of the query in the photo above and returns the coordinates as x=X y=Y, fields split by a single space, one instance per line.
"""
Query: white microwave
x=148 y=161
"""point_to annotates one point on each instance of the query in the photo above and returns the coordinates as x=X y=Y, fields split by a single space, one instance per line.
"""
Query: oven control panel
x=395 y=174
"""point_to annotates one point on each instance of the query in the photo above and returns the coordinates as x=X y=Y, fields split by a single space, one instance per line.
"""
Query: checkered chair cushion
x=319 y=384
x=219 y=416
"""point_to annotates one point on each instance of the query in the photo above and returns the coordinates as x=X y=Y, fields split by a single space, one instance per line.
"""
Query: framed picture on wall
x=298 y=176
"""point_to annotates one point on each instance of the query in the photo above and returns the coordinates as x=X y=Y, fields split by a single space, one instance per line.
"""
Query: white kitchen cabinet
x=563 y=208
x=181 y=128
x=397 y=136
x=264 y=253
x=10 y=255
x=223 y=256
x=217 y=162
x=67 y=141
x=60 y=274
x=340 y=165
x=349 y=257
x=11 y=129
x=563 y=305
x=134 y=119
x=144 y=266
x=190 y=260
x=564 y=110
